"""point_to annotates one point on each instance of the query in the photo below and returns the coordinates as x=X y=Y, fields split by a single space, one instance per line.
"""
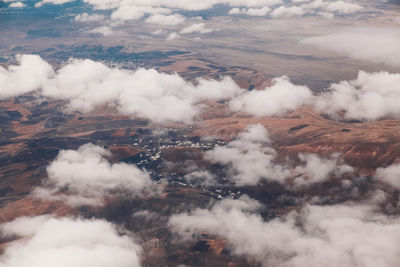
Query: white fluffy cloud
x=262 y=11
x=172 y=36
x=65 y=242
x=281 y=97
x=317 y=170
x=390 y=175
x=339 y=235
x=288 y=11
x=17 y=5
x=87 y=84
x=178 y=4
x=341 y=7
x=144 y=93
x=325 y=9
x=300 y=1
x=174 y=19
x=54 y=2
x=137 y=9
x=31 y=73
x=85 y=17
x=378 y=45
x=103 y=30
x=161 y=97
x=371 y=96
x=250 y=159
x=196 y=28
x=85 y=177
x=137 y=12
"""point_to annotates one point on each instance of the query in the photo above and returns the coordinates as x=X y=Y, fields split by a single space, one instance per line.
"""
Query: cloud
x=161 y=9
x=337 y=235
x=54 y=2
x=342 y=7
x=300 y=1
x=324 y=9
x=178 y=4
x=325 y=15
x=281 y=97
x=103 y=30
x=235 y=11
x=249 y=158
x=196 y=28
x=174 y=19
x=157 y=32
x=371 y=96
x=65 y=242
x=137 y=9
x=31 y=73
x=288 y=11
x=172 y=36
x=317 y=170
x=166 y=97
x=85 y=176
x=144 y=93
x=17 y=5
x=86 y=84
x=258 y=11
x=250 y=11
x=202 y=177
x=85 y=17
x=390 y=175
x=377 y=45
x=131 y=12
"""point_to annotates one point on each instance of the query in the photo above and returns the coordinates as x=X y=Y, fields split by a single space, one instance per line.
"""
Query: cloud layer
x=171 y=13
x=339 y=235
x=162 y=98
x=281 y=97
x=378 y=45
x=137 y=9
x=85 y=177
x=65 y=242
x=371 y=96
x=250 y=158
x=86 y=84
x=316 y=170
x=390 y=175
x=177 y=4
x=31 y=73
x=144 y=93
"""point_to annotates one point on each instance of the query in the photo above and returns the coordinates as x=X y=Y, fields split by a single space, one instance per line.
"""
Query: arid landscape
x=210 y=133
x=34 y=130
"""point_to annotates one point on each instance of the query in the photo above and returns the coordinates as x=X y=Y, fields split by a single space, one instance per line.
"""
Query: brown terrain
x=365 y=145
